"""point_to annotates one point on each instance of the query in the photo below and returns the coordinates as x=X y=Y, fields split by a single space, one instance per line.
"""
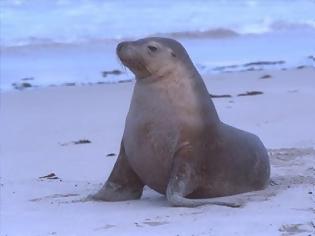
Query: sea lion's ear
x=170 y=51
x=173 y=54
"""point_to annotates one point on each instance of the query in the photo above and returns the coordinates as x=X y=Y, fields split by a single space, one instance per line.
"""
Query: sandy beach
x=59 y=144
x=64 y=97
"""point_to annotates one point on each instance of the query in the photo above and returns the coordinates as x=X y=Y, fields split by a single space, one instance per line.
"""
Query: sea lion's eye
x=152 y=48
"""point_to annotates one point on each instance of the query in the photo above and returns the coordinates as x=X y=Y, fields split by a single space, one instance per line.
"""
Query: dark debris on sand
x=69 y=84
x=49 y=176
x=250 y=93
x=219 y=68
x=22 y=85
x=264 y=63
x=82 y=141
x=266 y=77
x=111 y=72
x=111 y=154
x=311 y=57
x=300 y=67
x=220 y=96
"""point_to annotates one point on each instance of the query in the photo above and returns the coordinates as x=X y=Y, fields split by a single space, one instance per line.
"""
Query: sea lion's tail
x=234 y=201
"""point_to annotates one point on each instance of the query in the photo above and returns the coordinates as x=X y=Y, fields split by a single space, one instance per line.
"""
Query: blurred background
x=53 y=42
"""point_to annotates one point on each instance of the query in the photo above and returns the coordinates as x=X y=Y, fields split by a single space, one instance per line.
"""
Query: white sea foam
x=64 y=21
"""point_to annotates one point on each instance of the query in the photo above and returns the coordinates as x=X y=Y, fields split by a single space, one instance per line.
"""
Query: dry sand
x=39 y=128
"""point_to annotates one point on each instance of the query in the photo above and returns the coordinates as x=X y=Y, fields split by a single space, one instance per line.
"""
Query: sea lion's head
x=152 y=56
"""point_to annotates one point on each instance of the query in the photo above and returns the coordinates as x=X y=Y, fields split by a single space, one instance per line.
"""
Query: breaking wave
x=36 y=22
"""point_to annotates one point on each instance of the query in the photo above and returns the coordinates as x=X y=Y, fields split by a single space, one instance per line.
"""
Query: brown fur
x=174 y=141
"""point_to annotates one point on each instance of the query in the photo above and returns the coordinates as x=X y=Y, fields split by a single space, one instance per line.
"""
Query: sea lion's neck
x=175 y=73
x=182 y=89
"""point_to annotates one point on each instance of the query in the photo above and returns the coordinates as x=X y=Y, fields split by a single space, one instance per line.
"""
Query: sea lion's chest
x=154 y=137
x=159 y=119
x=150 y=141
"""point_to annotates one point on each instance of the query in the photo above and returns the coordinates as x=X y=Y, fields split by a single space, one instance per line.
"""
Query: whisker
x=122 y=66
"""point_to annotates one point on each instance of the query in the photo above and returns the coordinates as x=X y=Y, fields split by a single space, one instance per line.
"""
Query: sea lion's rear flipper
x=184 y=180
x=123 y=183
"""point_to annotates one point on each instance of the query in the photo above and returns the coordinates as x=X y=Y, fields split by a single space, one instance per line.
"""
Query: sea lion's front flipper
x=123 y=183
x=185 y=179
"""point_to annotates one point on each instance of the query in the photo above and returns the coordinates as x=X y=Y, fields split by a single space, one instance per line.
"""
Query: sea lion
x=174 y=141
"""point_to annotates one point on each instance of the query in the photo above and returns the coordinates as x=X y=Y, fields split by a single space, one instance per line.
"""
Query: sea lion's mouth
x=137 y=67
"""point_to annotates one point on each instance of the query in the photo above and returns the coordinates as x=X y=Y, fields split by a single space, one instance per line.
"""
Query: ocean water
x=39 y=21
x=58 y=41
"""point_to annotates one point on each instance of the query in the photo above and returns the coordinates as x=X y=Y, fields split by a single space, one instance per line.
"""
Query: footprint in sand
x=150 y=222
x=292 y=229
x=155 y=223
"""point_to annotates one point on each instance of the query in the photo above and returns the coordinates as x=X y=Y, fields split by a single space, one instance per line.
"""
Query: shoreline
x=93 y=62
x=118 y=76
x=26 y=84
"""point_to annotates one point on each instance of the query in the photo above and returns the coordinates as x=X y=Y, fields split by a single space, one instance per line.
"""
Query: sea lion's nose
x=120 y=46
